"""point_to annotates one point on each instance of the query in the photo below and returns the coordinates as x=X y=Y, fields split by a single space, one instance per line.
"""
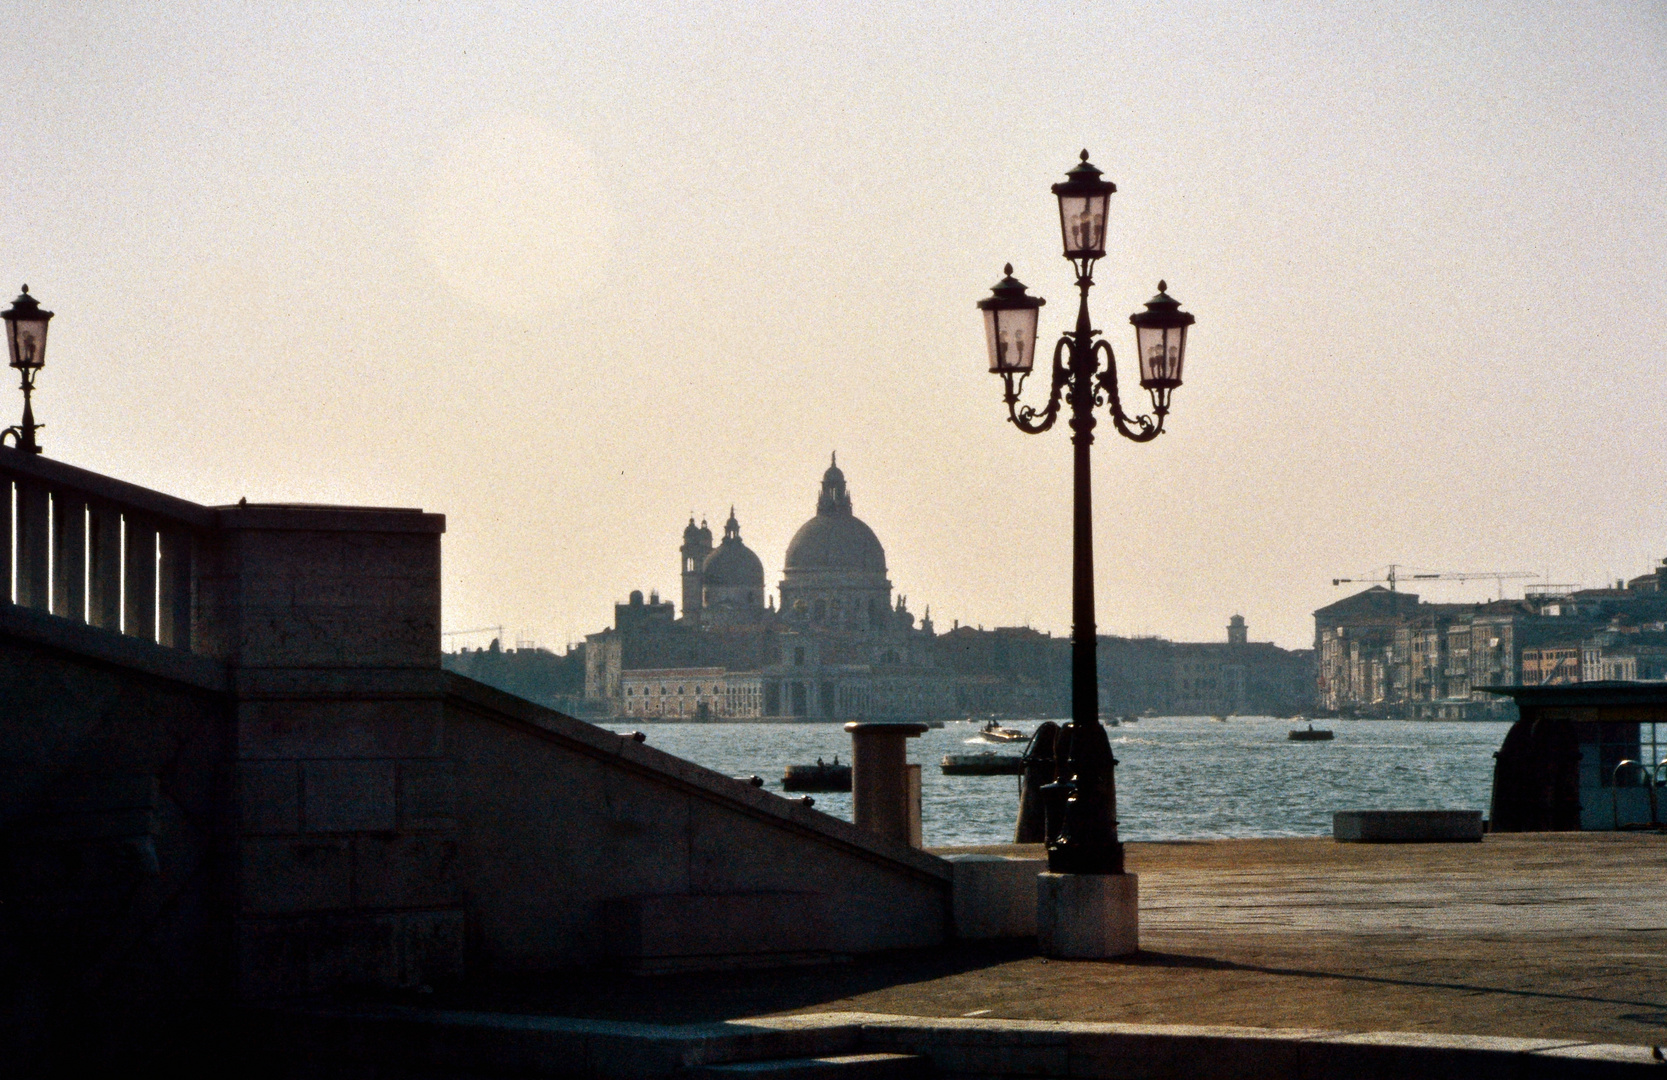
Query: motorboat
x=818 y=777
x=994 y=732
x=985 y=763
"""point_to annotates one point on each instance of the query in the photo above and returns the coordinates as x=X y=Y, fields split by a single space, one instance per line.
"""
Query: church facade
x=837 y=648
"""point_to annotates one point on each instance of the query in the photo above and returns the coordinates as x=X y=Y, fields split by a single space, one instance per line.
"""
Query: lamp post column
x=1085 y=680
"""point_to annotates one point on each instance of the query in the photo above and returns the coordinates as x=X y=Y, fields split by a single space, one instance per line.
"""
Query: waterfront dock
x=1528 y=954
x=1535 y=935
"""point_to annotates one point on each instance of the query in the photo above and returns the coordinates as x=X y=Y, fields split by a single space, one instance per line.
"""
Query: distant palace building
x=1386 y=653
x=840 y=647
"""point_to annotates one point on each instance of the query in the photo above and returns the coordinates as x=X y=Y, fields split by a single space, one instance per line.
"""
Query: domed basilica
x=837 y=647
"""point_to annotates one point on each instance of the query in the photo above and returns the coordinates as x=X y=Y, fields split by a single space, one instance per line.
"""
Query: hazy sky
x=567 y=272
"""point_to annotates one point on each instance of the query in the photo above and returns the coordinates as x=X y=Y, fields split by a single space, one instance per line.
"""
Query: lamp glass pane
x=1082 y=221
x=1012 y=338
x=27 y=339
x=1162 y=351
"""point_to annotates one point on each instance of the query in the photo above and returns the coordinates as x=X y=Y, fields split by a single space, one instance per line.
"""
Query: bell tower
x=697 y=544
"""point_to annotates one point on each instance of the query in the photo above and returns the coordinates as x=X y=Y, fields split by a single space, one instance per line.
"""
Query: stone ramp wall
x=582 y=846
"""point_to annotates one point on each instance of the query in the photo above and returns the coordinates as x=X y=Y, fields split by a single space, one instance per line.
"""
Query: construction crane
x=1394 y=575
x=477 y=630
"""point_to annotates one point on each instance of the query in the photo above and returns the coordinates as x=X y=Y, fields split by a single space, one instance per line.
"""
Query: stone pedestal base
x=1088 y=916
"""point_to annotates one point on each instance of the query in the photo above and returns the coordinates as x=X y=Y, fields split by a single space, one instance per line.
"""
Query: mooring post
x=880 y=777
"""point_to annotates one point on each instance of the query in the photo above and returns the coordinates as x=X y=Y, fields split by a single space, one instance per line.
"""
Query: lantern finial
x=1083 y=156
x=1163 y=286
x=1008 y=269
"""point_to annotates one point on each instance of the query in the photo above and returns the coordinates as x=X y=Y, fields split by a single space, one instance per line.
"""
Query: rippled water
x=1178 y=777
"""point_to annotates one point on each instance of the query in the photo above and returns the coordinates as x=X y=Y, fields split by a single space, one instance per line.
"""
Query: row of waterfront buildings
x=1388 y=653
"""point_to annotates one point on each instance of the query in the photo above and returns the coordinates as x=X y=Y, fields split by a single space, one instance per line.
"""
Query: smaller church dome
x=733 y=564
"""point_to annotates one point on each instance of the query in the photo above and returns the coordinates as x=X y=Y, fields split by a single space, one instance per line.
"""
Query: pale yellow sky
x=566 y=273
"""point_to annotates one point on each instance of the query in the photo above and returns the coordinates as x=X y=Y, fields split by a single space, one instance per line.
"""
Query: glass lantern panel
x=1162 y=350
x=1082 y=220
x=28 y=342
x=1012 y=338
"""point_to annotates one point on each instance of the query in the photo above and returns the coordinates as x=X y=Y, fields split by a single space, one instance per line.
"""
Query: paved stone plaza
x=1531 y=935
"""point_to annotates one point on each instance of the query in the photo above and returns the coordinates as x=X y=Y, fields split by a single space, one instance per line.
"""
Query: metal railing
x=95 y=550
x=1650 y=779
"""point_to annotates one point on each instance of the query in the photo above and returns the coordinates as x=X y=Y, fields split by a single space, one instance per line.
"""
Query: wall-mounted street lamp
x=26 y=339
x=1083 y=836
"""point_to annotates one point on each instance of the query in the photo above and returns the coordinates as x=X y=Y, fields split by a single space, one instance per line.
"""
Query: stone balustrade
x=96 y=550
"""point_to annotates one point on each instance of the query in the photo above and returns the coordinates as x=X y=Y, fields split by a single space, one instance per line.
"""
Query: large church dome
x=733 y=565
x=835 y=539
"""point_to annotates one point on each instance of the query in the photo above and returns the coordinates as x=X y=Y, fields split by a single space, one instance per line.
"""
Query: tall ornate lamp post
x=26 y=339
x=1085 y=840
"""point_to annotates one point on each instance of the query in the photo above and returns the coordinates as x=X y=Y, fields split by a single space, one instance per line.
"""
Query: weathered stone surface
x=289 y=957
x=349 y=796
x=340 y=729
x=269 y=796
x=295 y=874
x=995 y=896
x=405 y=870
x=1406 y=826
x=1088 y=916
x=738 y=924
x=427 y=794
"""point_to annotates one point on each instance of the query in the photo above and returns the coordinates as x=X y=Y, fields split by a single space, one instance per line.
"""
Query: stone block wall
x=114 y=848
x=348 y=867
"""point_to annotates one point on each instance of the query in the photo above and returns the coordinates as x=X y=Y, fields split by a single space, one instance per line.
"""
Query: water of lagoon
x=1178 y=777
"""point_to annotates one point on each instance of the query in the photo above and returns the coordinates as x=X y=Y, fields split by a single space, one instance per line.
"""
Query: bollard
x=880 y=778
x=1039 y=771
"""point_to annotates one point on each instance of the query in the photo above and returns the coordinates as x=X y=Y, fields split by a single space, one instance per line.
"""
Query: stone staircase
x=405 y=1043
x=833 y=1067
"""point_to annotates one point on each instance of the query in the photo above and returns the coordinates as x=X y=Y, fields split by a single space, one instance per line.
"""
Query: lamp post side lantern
x=1087 y=841
x=26 y=324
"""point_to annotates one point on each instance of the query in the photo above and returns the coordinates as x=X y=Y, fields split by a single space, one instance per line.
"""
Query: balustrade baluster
x=5 y=540
x=69 y=555
x=104 y=561
x=33 y=525
x=174 y=589
x=139 y=580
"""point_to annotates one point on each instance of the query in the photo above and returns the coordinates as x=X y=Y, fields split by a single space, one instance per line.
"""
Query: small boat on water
x=818 y=777
x=1309 y=734
x=987 y=763
x=994 y=732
